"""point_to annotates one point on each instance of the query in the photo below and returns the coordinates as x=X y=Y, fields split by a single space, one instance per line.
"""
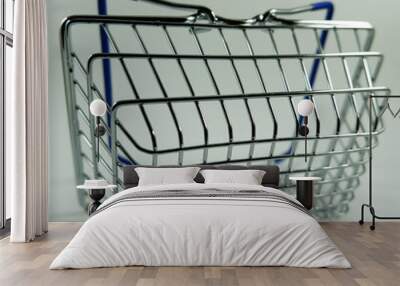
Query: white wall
x=63 y=204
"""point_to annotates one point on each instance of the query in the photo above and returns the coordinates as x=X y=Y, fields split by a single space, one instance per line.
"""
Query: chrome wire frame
x=340 y=165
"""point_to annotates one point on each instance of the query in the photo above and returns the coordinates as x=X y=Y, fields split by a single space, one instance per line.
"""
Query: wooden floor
x=375 y=257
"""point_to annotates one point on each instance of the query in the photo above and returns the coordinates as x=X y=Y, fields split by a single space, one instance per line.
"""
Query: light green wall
x=63 y=203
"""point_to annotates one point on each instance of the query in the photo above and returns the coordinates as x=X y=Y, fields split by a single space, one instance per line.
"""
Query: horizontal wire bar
x=121 y=103
x=327 y=168
x=86 y=139
x=236 y=57
x=244 y=142
x=82 y=91
x=126 y=153
x=85 y=157
x=330 y=153
x=334 y=181
x=182 y=21
x=107 y=167
x=363 y=149
x=386 y=96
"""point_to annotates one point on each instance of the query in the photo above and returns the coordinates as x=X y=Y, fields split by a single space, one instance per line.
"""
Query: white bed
x=188 y=231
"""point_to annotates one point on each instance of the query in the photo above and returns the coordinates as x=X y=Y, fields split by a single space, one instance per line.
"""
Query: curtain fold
x=26 y=119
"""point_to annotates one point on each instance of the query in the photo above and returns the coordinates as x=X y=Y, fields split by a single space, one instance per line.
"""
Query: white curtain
x=26 y=121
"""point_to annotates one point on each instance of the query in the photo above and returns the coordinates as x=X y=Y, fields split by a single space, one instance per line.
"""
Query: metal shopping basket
x=204 y=89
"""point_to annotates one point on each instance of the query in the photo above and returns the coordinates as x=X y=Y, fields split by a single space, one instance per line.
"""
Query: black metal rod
x=98 y=138
x=305 y=146
x=370 y=148
x=370 y=167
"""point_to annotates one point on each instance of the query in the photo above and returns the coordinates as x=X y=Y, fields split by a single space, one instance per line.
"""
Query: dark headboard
x=271 y=177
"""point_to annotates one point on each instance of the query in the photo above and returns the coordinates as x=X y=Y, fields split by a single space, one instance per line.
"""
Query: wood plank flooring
x=375 y=257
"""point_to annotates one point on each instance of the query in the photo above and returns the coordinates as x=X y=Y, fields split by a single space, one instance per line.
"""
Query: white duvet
x=200 y=231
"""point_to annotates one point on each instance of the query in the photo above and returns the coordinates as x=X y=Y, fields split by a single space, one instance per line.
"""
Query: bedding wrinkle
x=294 y=237
x=141 y=247
x=230 y=242
x=317 y=248
x=113 y=243
x=212 y=240
x=157 y=234
x=259 y=246
x=137 y=248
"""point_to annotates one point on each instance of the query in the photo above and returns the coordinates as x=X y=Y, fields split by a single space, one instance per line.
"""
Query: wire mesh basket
x=203 y=89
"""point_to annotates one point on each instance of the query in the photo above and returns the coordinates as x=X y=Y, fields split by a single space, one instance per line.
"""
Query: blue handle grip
x=328 y=6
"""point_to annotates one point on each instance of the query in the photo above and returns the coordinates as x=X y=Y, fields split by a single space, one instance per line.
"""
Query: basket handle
x=204 y=12
x=275 y=14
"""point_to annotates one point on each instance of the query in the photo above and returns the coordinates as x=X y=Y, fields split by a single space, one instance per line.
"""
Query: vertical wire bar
x=349 y=79
x=334 y=103
x=70 y=97
x=164 y=92
x=366 y=47
x=92 y=122
x=292 y=148
x=335 y=141
x=114 y=152
x=309 y=88
x=371 y=102
x=361 y=65
x=377 y=69
x=253 y=126
x=192 y=93
x=230 y=129
x=135 y=94
x=105 y=48
x=330 y=83
x=365 y=66
x=264 y=86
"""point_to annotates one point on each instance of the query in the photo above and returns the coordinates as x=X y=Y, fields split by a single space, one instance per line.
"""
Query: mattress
x=201 y=225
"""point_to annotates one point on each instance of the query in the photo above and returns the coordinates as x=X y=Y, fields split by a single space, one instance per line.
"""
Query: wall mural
x=204 y=89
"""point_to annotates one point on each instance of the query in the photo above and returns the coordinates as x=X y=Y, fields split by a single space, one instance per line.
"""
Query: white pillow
x=248 y=177
x=165 y=176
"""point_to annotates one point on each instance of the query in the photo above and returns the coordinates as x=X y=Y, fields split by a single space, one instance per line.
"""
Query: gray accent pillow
x=166 y=176
x=244 y=177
